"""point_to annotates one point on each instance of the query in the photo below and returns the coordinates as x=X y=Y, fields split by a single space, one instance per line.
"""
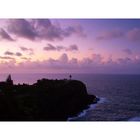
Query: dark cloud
x=5 y=35
x=24 y=48
x=59 y=48
x=9 y=53
x=108 y=35
x=21 y=28
x=128 y=51
x=41 y=29
x=41 y=23
x=25 y=58
x=7 y=58
x=46 y=30
x=18 y=54
x=50 y=47
x=28 y=50
x=13 y=54
x=72 y=48
x=76 y=29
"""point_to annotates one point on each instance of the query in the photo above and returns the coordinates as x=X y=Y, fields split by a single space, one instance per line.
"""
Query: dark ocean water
x=119 y=94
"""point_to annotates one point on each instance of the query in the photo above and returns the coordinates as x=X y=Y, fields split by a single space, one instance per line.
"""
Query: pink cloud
x=73 y=47
x=109 y=35
x=64 y=58
x=93 y=64
x=7 y=58
x=97 y=58
x=128 y=51
x=124 y=60
x=134 y=34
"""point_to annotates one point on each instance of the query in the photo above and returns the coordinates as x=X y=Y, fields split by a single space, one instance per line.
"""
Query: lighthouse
x=9 y=80
x=70 y=77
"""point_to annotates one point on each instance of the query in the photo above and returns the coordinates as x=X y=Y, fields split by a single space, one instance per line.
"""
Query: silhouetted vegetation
x=45 y=100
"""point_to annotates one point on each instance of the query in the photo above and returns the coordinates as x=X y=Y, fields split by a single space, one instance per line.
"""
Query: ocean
x=119 y=94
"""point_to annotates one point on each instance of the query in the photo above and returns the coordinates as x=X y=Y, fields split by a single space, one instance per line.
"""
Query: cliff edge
x=45 y=100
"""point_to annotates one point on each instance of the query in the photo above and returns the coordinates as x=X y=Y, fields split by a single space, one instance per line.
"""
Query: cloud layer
x=94 y=64
x=41 y=29
x=13 y=54
x=131 y=34
x=109 y=35
x=128 y=51
x=30 y=51
x=51 y=47
x=4 y=35
x=134 y=34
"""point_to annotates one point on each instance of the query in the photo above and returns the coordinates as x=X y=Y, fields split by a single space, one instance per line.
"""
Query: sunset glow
x=70 y=45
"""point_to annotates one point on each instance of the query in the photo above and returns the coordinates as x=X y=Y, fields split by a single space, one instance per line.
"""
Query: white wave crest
x=91 y=107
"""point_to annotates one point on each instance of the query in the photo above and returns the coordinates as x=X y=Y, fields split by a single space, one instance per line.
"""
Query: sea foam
x=91 y=107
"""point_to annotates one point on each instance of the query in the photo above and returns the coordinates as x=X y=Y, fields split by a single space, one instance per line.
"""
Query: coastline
x=45 y=100
x=91 y=107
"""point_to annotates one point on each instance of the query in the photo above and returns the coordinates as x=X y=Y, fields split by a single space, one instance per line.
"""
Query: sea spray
x=101 y=100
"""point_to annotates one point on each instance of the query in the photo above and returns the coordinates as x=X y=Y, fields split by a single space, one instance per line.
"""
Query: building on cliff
x=8 y=81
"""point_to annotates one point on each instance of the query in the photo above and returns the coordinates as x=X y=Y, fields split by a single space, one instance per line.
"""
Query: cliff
x=45 y=100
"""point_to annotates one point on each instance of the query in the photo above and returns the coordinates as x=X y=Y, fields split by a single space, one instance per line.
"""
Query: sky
x=110 y=46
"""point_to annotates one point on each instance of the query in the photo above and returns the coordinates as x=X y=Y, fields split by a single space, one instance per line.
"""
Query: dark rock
x=46 y=100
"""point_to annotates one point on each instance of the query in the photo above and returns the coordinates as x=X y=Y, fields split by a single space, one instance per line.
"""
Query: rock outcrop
x=45 y=100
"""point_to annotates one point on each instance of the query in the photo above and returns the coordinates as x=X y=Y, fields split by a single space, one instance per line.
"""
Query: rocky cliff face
x=46 y=100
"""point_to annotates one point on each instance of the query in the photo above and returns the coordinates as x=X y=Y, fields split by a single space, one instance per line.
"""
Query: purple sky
x=70 y=45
